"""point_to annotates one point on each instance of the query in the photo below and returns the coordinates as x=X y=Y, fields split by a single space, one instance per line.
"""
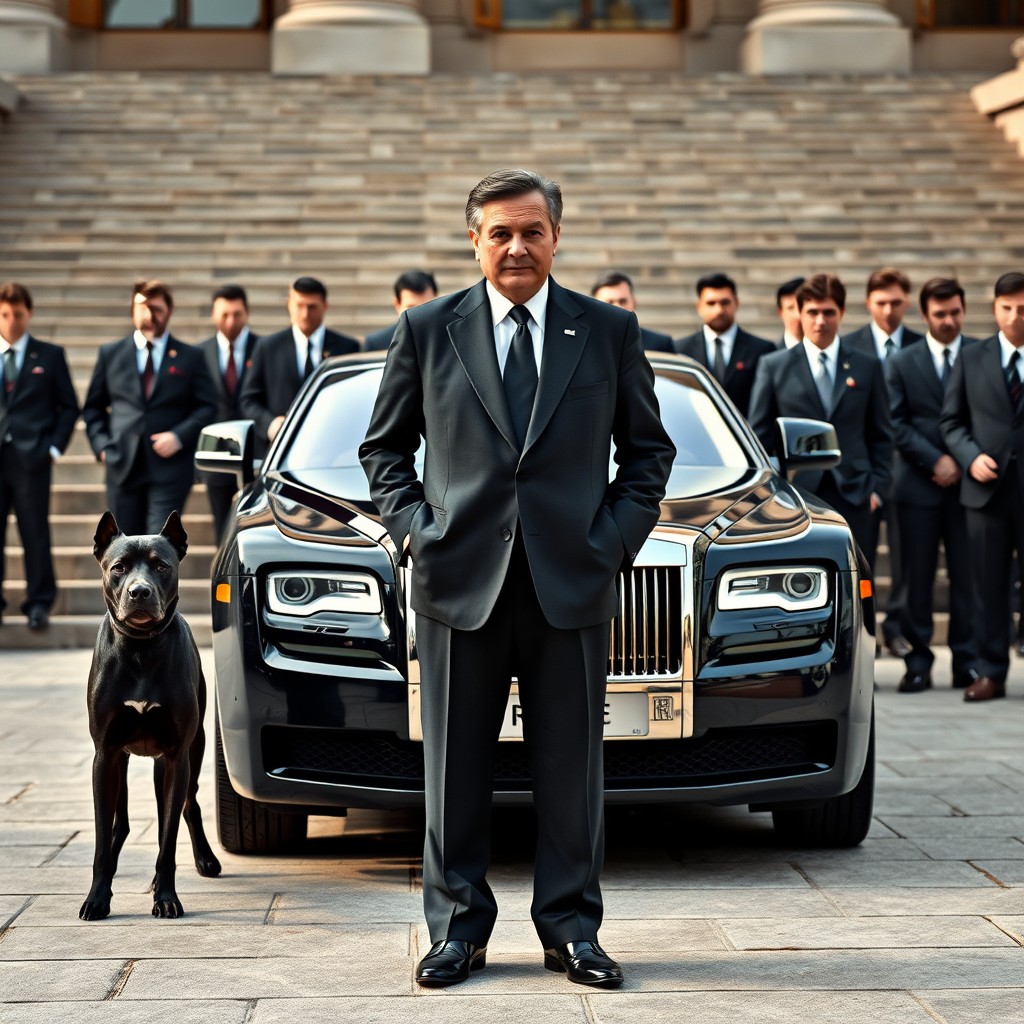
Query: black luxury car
x=740 y=668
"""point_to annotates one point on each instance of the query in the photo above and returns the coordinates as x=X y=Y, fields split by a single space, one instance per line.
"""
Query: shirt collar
x=316 y=339
x=728 y=337
x=18 y=345
x=937 y=348
x=1007 y=349
x=813 y=352
x=879 y=335
x=500 y=305
x=239 y=342
x=141 y=341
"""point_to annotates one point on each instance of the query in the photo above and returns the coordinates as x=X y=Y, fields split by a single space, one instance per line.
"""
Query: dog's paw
x=207 y=865
x=94 y=909
x=170 y=907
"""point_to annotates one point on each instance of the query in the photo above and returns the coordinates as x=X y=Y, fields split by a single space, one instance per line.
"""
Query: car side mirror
x=228 y=447
x=802 y=445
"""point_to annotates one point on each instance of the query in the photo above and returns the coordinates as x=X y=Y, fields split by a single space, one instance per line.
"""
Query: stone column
x=800 y=37
x=33 y=37
x=359 y=37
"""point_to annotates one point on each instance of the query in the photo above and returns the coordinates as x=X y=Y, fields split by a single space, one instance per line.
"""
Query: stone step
x=75 y=631
x=78 y=563
x=83 y=596
x=78 y=530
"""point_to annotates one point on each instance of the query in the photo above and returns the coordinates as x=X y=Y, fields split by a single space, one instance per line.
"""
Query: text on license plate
x=625 y=714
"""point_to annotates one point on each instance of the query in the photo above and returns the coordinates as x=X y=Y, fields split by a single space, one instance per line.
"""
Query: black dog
x=147 y=696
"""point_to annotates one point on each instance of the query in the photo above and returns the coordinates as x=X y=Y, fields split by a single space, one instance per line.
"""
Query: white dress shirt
x=728 y=340
x=936 y=349
x=505 y=326
x=813 y=354
x=880 y=338
x=159 y=344
x=239 y=351
x=1006 y=350
x=314 y=344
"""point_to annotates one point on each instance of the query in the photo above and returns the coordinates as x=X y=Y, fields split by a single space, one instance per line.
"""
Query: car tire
x=842 y=821
x=247 y=826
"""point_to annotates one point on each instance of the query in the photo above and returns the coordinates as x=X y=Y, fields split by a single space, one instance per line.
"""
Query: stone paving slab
x=134 y=910
x=976 y=1006
x=178 y=1011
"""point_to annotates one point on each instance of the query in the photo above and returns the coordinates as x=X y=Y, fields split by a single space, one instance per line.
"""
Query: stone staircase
x=205 y=178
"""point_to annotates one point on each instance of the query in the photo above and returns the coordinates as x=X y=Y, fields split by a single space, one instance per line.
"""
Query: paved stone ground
x=923 y=923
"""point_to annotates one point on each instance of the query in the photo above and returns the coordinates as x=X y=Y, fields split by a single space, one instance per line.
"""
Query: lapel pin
x=740 y=366
x=38 y=369
x=567 y=331
x=850 y=382
x=172 y=353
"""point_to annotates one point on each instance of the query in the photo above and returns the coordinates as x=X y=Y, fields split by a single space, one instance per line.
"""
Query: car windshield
x=334 y=425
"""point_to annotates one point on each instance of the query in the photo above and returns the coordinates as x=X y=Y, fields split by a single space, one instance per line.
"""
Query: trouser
x=27 y=494
x=144 y=507
x=465 y=678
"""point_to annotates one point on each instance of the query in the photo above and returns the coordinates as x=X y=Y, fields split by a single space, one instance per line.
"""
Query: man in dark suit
x=789 y=312
x=728 y=351
x=515 y=540
x=926 y=489
x=824 y=378
x=617 y=288
x=38 y=409
x=228 y=356
x=412 y=288
x=149 y=396
x=285 y=359
x=983 y=426
x=887 y=297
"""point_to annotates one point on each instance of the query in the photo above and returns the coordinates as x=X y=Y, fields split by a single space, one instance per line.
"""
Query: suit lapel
x=994 y=373
x=472 y=337
x=211 y=352
x=839 y=385
x=565 y=336
x=125 y=364
x=739 y=355
x=169 y=360
x=802 y=375
x=926 y=367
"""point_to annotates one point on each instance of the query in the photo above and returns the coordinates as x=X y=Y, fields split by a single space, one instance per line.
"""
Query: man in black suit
x=789 y=312
x=728 y=351
x=983 y=426
x=149 y=396
x=228 y=356
x=926 y=489
x=412 y=288
x=617 y=288
x=824 y=378
x=887 y=297
x=516 y=537
x=284 y=360
x=38 y=409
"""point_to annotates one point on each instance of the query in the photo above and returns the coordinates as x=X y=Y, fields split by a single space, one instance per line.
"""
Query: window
x=170 y=14
x=970 y=13
x=575 y=15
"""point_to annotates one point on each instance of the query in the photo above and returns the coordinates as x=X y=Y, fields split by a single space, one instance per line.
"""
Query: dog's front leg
x=175 y=787
x=106 y=781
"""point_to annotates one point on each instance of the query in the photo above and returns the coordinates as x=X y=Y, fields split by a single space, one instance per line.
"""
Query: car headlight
x=790 y=587
x=306 y=593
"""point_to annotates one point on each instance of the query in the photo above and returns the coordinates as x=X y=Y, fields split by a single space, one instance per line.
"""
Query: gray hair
x=508 y=184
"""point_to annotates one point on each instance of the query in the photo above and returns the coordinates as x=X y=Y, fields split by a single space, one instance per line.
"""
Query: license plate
x=625 y=714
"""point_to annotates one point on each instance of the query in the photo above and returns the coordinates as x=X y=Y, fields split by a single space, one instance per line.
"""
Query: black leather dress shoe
x=915 y=682
x=961 y=680
x=586 y=963
x=449 y=962
x=38 y=617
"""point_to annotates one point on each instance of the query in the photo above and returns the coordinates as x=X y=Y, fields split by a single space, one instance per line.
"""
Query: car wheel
x=247 y=826
x=841 y=821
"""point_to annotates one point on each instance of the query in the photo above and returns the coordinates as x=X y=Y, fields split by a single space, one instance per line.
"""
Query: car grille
x=646 y=636
x=723 y=755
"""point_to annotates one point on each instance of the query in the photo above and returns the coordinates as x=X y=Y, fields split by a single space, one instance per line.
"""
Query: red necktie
x=231 y=372
x=148 y=373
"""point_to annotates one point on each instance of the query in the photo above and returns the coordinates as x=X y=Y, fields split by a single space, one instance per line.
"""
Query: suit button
x=506 y=533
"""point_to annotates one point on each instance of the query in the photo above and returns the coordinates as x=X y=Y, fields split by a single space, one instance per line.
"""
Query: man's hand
x=166 y=444
x=275 y=426
x=875 y=503
x=945 y=472
x=984 y=469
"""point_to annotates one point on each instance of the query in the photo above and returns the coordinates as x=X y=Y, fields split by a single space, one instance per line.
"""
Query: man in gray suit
x=519 y=389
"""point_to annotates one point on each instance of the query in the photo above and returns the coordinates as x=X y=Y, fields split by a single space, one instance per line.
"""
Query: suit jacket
x=655 y=341
x=863 y=340
x=784 y=386
x=977 y=418
x=376 y=340
x=43 y=406
x=119 y=419
x=442 y=382
x=915 y=400
x=747 y=351
x=273 y=380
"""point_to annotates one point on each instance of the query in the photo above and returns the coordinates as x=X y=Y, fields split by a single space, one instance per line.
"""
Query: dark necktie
x=823 y=379
x=308 y=368
x=1013 y=383
x=890 y=349
x=719 y=367
x=231 y=372
x=10 y=373
x=520 y=379
x=947 y=368
x=148 y=373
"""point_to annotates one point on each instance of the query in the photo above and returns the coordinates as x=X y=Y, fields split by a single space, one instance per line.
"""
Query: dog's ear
x=105 y=533
x=175 y=533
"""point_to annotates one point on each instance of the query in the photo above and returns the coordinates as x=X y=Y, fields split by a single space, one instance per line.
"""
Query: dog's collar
x=135 y=633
